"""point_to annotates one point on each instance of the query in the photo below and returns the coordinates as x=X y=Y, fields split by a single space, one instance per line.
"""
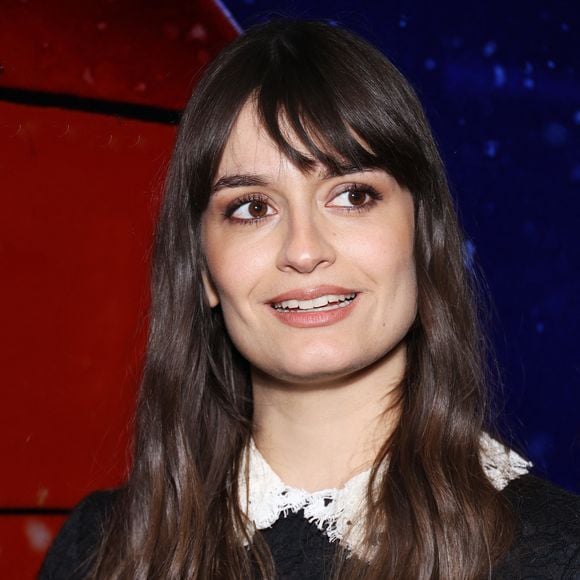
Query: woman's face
x=314 y=273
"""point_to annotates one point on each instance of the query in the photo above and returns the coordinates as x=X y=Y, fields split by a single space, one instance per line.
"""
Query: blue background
x=501 y=86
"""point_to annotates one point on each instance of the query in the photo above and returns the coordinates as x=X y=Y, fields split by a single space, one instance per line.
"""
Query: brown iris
x=357 y=197
x=257 y=208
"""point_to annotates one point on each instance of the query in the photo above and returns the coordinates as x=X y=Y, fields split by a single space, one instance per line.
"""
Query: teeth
x=320 y=302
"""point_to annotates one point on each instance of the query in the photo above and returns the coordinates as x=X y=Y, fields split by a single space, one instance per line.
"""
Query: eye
x=356 y=197
x=249 y=209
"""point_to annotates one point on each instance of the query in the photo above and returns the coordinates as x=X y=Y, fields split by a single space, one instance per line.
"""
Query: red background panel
x=23 y=543
x=125 y=50
x=80 y=192
x=80 y=196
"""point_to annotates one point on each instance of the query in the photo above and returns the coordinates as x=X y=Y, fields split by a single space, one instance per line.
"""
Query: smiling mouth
x=320 y=304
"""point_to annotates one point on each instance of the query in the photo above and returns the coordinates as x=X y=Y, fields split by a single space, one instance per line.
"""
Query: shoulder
x=540 y=503
x=547 y=543
x=69 y=554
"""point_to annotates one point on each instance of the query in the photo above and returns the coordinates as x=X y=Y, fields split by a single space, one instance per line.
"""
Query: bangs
x=344 y=101
x=347 y=111
x=308 y=112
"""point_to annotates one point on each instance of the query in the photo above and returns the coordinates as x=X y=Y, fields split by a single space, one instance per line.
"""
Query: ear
x=210 y=290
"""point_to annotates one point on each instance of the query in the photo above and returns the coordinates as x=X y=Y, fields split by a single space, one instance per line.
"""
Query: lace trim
x=501 y=464
x=337 y=512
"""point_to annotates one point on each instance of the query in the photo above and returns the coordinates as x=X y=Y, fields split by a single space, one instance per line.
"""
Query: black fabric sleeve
x=547 y=545
x=69 y=556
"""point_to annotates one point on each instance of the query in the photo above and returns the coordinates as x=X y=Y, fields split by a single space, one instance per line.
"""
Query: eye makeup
x=358 y=198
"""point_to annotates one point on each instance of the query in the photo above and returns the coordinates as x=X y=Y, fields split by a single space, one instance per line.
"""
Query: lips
x=314 y=307
x=304 y=294
x=327 y=301
x=317 y=299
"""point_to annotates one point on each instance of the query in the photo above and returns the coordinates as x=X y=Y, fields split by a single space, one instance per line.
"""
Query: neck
x=319 y=435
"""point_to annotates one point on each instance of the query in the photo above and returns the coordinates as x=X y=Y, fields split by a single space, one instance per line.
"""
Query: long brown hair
x=179 y=516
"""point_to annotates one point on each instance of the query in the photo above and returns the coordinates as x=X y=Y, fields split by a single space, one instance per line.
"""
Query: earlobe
x=210 y=291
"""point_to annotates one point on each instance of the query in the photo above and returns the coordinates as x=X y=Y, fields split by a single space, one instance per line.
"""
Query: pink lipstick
x=313 y=307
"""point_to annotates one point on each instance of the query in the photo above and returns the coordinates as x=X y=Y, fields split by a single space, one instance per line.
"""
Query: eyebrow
x=257 y=180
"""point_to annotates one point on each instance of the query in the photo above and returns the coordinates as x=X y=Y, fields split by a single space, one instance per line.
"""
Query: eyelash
x=373 y=194
x=239 y=202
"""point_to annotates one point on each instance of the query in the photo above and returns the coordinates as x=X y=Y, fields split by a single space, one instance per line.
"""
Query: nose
x=306 y=245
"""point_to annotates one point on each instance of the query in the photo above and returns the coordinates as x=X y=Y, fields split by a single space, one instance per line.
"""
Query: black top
x=546 y=547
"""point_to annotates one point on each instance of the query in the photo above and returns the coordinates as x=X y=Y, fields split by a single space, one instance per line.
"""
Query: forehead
x=250 y=149
x=249 y=146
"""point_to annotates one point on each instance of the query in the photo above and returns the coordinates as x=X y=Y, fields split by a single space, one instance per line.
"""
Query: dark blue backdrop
x=501 y=86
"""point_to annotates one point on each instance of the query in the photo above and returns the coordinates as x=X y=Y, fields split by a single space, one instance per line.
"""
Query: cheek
x=386 y=258
x=382 y=251
x=236 y=268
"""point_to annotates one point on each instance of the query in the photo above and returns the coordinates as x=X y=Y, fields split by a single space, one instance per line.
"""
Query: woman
x=314 y=400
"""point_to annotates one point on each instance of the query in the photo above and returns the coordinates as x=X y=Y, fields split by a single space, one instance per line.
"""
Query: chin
x=315 y=369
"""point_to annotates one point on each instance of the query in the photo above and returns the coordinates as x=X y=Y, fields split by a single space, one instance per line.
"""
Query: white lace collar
x=337 y=512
